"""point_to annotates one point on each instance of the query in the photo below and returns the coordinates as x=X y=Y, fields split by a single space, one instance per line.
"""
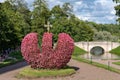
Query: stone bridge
x=107 y=46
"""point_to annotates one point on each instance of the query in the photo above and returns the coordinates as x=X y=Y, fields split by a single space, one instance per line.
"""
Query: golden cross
x=48 y=26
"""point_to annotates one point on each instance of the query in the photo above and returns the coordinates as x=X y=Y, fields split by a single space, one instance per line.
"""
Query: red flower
x=48 y=57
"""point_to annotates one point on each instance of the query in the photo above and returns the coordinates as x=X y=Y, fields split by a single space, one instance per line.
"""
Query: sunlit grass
x=117 y=63
x=78 y=51
x=116 y=51
x=37 y=73
x=107 y=67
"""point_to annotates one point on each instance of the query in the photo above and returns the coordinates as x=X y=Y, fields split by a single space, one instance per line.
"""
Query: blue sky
x=99 y=11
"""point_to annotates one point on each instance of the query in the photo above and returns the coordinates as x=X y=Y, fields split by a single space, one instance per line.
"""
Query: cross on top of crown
x=48 y=26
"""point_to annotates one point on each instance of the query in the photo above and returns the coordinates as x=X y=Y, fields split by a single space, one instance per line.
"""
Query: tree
x=57 y=12
x=20 y=7
x=13 y=25
x=117 y=8
x=7 y=36
x=104 y=36
x=67 y=9
x=117 y=1
x=40 y=16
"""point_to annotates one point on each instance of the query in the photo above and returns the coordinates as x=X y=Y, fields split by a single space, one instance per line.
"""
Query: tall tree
x=67 y=9
x=15 y=17
x=40 y=16
x=117 y=8
x=21 y=8
x=7 y=36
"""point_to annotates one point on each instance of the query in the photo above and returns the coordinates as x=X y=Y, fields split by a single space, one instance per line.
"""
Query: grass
x=37 y=73
x=8 y=62
x=96 y=64
x=78 y=51
x=117 y=63
x=78 y=58
x=116 y=51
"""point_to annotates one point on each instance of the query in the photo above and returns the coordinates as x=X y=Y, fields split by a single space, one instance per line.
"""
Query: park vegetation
x=76 y=56
x=116 y=51
x=17 y=20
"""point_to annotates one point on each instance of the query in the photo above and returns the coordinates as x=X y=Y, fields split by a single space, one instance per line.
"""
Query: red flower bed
x=47 y=57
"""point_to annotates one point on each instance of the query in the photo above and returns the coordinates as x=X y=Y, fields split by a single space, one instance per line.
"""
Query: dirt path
x=85 y=72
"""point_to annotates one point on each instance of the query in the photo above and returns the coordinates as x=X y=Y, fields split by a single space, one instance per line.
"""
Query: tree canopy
x=17 y=20
x=117 y=9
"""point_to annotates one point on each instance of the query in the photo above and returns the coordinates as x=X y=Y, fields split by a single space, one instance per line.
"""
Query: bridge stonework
x=107 y=46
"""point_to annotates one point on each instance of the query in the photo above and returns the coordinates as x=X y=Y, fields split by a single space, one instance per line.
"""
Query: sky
x=99 y=11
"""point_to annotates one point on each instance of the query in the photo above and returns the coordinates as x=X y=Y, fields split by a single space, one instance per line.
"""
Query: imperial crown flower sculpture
x=47 y=57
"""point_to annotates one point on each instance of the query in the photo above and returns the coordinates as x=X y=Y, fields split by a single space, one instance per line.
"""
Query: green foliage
x=7 y=37
x=73 y=26
x=36 y=73
x=107 y=32
x=104 y=36
x=116 y=51
x=97 y=64
x=12 y=26
x=16 y=20
x=78 y=58
x=17 y=55
x=117 y=8
x=117 y=63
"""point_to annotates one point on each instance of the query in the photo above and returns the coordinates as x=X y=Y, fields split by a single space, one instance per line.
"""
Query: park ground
x=84 y=72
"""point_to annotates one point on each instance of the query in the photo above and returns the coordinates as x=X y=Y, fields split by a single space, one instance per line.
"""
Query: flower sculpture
x=47 y=57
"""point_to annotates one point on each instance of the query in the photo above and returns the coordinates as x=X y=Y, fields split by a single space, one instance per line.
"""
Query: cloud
x=78 y=3
x=84 y=17
x=2 y=0
x=52 y=3
x=100 y=11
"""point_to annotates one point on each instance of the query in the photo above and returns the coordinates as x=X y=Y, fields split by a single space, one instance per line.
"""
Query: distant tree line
x=17 y=20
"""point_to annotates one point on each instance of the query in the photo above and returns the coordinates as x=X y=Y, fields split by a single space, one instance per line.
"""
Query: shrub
x=47 y=57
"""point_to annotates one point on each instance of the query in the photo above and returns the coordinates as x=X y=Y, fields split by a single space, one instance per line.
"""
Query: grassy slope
x=78 y=51
x=117 y=63
x=116 y=51
x=78 y=58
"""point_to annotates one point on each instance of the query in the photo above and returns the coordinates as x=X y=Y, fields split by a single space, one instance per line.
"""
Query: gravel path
x=108 y=61
x=85 y=72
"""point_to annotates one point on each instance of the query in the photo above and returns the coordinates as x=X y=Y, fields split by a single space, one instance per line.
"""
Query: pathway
x=85 y=72
x=106 y=62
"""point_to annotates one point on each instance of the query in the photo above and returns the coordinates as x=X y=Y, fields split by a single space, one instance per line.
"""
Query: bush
x=17 y=55
x=47 y=57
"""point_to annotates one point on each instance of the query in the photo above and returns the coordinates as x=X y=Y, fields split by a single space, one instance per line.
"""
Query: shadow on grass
x=13 y=67
x=75 y=68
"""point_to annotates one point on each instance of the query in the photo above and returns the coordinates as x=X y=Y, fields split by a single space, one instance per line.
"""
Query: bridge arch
x=107 y=46
x=97 y=51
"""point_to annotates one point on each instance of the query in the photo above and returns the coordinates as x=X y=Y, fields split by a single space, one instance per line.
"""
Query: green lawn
x=16 y=55
x=117 y=63
x=116 y=51
x=36 y=73
x=78 y=58
x=78 y=51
